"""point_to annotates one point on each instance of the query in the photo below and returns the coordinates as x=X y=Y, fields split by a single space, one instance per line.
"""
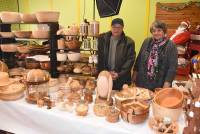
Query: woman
x=156 y=63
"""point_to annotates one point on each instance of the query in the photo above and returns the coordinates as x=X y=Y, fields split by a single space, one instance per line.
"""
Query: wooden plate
x=155 y=128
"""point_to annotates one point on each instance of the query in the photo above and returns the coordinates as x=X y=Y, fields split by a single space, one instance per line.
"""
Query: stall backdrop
x=137 y=14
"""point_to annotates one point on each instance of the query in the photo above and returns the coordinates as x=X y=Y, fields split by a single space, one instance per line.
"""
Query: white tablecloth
x=23 y=118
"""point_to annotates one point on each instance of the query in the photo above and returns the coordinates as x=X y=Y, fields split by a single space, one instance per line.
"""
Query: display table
x=23 y=118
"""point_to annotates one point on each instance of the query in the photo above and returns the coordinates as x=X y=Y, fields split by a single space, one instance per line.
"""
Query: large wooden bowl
x=161 y=112
x=134 y=111
x=10 y=17
x=169 y=98
x=12 y=92
x=28 y=18
x=23 y=34
x=47 y=16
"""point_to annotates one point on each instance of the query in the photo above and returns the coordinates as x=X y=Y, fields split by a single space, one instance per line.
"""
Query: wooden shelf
x=76 y=50
x=24 y=39
x=30 y=39
x=77 y=74
x=78 y=35
x=29 y=23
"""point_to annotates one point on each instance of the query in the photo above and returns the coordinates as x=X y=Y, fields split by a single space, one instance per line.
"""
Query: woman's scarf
x=152 y=63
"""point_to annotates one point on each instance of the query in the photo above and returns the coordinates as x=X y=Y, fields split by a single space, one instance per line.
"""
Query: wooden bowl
x=23 y=34
x=112 y=115
x=88 y=96
x=47 y=16
x=61 y=44
x=161 y=112
x=13 y=92
x=82 y=108
x=10 y=17
x=169 y=98
x=122 y=96
x=135 y=107
x=7 y=34
x=73 y=44
x=101 y=109
x=90 y=85
x=73 y=56
x=9 y=47
x=134 y=111
x=45 y=65
x=31 y=98
x=74 y=97
x=133 y=119
x=28 y=18
x=40 y=34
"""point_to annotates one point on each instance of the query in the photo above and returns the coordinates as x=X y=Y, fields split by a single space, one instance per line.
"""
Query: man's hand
x=114 y=75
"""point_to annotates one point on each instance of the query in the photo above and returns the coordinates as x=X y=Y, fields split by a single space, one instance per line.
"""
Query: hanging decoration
x=178 y=6
x=107 y=8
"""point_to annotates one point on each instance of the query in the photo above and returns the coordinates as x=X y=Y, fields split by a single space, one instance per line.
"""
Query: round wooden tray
x=174 y=127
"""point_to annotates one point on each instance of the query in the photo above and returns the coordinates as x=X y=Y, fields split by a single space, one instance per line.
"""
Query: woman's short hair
x=158 y=24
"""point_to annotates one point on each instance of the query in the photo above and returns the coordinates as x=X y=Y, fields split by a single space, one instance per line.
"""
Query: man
x=116 y=54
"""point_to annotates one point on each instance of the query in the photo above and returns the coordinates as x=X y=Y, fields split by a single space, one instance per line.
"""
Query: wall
x=134 y=27
x=8 y=5
x=137 y=14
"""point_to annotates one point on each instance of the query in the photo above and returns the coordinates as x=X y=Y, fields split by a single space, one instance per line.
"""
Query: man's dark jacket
x=124 y=58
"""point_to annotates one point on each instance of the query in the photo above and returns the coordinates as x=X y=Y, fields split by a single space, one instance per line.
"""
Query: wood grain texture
x=174 y=18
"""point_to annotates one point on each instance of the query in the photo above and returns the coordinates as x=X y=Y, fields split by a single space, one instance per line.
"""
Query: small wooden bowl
x=101 y=109
x=31 y=98
x=82 y=109
x=88 y=96
x=45 y=65
x=112 y=115
x=74 y=97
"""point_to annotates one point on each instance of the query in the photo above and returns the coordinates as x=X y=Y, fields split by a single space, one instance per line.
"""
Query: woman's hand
x=166 y=84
